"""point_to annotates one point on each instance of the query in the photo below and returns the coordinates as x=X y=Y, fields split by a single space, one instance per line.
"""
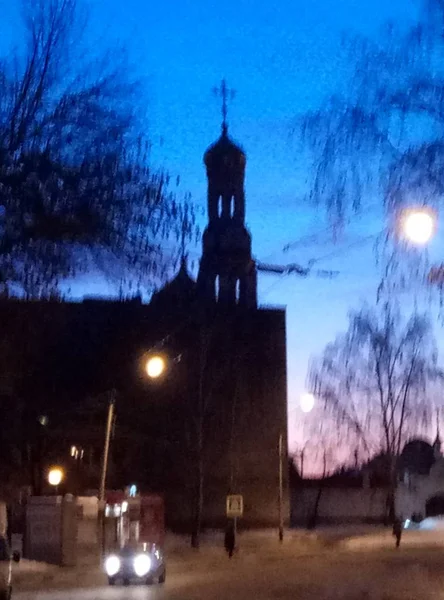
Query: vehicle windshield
x=127 y=551
x=135 y=547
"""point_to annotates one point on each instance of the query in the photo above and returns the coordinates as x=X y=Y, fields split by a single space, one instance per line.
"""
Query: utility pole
x=102 y=489
x=281 y=490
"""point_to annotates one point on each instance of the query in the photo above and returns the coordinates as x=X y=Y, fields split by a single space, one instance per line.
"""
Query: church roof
x=224 y=148
x=177 y=292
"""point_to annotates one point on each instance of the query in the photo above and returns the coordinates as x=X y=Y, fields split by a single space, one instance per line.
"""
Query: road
x=387 y=574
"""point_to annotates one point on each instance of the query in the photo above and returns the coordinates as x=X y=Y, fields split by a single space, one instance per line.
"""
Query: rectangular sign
x=235 y=505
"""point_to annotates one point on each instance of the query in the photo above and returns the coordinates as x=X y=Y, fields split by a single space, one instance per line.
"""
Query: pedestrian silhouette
x=230 y=539
x=397 y=531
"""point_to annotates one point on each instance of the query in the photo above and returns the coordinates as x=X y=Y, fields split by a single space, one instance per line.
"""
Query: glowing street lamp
x=55 y=477
x=418 y=225
x=307 y=402
x=155 y=366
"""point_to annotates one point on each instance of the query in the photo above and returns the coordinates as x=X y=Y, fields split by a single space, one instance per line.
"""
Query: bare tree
x=384 y=134
x=192 y=445
x=213 y=375
x=313 y=518
x=211 y=404
x=76 y=189
x=379 y=144
x=319 y=447
x=375 y=380
x=199 y=429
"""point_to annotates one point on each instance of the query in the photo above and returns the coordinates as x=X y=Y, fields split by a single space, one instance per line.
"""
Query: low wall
x=338 y=505
x=89 y=506
x=87 y=521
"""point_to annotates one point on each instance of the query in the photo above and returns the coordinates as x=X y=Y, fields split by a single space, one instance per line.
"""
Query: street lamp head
x=418 y=225
x=155 y=366
x=55 y=476
x=307 y=402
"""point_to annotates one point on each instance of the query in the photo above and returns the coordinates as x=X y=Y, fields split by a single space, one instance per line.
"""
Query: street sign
x=235 y=506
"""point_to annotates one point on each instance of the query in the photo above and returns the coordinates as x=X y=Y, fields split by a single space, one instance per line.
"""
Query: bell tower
x=227 y=272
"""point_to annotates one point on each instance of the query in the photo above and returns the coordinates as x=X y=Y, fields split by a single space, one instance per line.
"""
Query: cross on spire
x=226 y=94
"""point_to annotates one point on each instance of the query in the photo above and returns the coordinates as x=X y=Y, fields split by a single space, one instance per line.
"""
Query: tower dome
x=224 y=154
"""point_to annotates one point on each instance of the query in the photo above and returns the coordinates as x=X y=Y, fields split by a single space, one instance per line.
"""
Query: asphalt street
x=387 y=574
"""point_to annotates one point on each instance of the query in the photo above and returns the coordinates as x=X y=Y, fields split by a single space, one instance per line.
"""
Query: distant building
x=211 y=426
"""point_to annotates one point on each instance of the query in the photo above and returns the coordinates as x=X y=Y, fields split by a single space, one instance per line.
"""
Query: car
x=435 y=523
x=6 y=558
x=143 y=563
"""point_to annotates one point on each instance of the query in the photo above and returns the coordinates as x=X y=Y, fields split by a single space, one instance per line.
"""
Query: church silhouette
x=211 y=425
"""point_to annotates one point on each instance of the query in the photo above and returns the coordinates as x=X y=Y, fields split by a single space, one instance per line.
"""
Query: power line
x=312 y=237
x=283 y=271
x=294 y=268
x=361 y=242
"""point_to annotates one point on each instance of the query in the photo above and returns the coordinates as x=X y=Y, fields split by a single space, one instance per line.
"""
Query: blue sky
x=282 y=61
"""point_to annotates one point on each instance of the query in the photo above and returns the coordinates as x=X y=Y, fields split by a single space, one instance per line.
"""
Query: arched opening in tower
x=237 y=291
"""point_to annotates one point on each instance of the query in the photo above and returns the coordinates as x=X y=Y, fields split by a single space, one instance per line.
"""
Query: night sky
x=281 y=61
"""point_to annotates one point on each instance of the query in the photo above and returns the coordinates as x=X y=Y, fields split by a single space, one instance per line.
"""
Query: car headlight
x=112 y=565
x=142 y=565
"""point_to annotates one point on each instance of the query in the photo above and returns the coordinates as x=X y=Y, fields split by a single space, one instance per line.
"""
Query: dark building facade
x=211 y=425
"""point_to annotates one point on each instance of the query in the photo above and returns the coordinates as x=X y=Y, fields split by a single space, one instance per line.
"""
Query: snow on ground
x=252 y=548
x=386 y=575
x=384 y=539
x=33 y=566
x=355 y=563
x=212 y=542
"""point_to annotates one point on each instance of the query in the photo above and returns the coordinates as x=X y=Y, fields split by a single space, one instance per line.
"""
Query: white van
x=6 y=558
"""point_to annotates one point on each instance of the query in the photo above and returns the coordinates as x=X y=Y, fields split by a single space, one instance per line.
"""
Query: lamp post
x=55 y=478
x=307 y=402
x=109 y=424
x=154 y=367
x=281 y=488
x=102 y=488
x=418 y=225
